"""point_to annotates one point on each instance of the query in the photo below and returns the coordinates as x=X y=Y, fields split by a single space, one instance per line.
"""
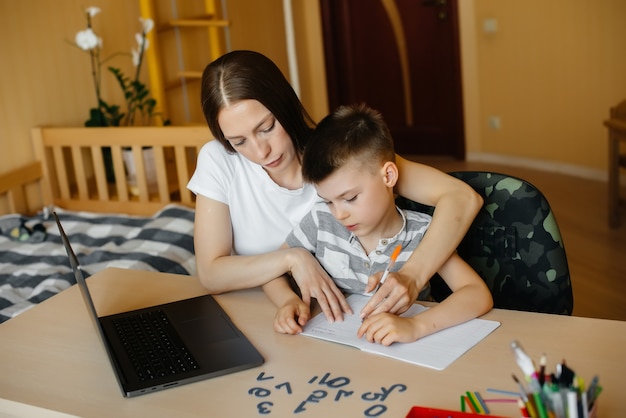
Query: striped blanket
x=31 y=272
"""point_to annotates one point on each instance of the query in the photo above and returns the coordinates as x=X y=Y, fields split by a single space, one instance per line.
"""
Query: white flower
x=87 y=39
x=92 y=11
x=147 y=24
x=135 y=55
x=141 y=40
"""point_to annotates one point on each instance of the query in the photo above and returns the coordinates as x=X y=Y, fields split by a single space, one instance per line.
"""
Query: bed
x=121 y=196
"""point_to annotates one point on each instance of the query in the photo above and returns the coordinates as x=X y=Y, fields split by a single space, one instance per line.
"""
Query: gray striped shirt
x=342 y=255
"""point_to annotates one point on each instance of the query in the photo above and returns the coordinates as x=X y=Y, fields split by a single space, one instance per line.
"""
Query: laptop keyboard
x=153 y=346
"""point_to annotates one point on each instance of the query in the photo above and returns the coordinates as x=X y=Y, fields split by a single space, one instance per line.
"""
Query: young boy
x=356 y=228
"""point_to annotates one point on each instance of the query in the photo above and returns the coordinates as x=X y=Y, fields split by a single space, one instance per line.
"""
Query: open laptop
x=167 y=345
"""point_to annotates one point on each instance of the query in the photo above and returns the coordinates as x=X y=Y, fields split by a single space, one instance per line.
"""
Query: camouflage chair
x=514 y=244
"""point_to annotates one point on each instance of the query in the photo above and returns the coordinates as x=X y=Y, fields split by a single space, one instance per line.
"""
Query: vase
x=131 y=170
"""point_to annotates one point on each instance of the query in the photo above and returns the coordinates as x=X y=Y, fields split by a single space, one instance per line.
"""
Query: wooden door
x=402 y=58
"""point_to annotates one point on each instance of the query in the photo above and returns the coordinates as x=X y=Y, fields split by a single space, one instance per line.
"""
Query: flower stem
x=95 y=71
x=132 y=106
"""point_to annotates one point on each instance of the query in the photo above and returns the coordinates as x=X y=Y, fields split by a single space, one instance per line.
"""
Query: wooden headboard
x=71 y=164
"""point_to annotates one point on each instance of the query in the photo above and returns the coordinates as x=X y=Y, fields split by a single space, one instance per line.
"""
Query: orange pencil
x=472 y=404
x=394 y=255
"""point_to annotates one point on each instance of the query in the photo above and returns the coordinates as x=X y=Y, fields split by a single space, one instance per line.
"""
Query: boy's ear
x=390 y=173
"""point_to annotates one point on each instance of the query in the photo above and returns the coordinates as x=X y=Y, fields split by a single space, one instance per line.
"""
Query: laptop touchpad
x=208 y=329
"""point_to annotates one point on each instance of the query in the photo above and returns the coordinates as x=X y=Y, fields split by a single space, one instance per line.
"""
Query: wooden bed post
x=46 y=183
x=13 y=184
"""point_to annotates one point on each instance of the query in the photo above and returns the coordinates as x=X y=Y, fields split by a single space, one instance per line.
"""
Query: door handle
x=442 y=13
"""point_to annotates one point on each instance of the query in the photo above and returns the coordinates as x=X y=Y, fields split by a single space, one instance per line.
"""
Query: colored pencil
x=473 y=403
x=523 y=409
x=503 y=392
x=482 y=403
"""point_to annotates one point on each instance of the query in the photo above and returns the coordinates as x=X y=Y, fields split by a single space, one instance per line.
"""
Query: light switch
x=495 y=123
x=490 y=25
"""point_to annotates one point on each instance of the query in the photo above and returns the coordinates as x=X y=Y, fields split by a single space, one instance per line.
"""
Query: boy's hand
x=386 y=328
x=314 y=282
x=291 y=317
x=396 y=295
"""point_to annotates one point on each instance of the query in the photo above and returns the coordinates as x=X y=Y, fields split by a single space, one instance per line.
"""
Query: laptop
x=167 y=345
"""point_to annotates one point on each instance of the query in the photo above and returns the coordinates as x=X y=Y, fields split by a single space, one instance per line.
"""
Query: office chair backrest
x=514 y=244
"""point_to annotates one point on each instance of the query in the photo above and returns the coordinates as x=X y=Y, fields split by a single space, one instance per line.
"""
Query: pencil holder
x=593 y=413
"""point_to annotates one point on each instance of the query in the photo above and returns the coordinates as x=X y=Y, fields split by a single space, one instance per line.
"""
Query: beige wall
x=550 y=72
x=260 y=26
x=45 y=80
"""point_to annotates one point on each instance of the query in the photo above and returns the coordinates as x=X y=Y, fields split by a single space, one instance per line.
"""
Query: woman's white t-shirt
x=261 y=212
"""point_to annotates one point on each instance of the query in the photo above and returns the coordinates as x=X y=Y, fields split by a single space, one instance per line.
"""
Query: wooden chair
x=514 y=244
x=617 y=132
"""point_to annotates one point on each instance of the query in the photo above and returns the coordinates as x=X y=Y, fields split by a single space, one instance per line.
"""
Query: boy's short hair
x=350 y=132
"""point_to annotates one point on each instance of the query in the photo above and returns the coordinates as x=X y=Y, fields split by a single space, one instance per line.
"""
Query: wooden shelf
x=195 y=22
x=198 y=23
x=176 y=58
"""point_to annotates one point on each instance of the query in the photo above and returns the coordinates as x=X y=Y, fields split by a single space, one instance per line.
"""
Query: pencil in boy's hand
x=394 y=255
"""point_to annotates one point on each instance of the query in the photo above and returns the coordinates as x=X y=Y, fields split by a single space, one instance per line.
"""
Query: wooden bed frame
x=70 y=169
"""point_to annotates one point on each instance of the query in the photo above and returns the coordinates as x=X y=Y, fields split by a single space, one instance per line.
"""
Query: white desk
x=51 y=360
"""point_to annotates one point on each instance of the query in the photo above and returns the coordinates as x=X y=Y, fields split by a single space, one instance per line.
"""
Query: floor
x=596 y=253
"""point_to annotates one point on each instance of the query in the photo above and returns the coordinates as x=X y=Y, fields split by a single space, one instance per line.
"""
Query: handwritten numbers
x=378 y=409
x=262 y=376
x=343 y=394
x=382 y=395
x=375 y=410
x=326 y=386
x=334 y=383
x=285 y=385
x=259 y=392
x=264 y=408
x=314 y=397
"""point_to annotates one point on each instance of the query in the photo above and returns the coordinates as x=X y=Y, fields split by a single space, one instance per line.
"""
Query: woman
x=250 y=193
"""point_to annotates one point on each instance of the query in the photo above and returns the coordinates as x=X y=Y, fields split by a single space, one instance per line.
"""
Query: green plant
x=140 y=107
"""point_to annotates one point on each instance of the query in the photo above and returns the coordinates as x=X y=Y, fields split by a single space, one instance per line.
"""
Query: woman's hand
x=396 y=295
x=314 y=282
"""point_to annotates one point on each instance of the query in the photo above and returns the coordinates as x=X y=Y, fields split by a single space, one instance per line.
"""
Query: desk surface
x=52 y=360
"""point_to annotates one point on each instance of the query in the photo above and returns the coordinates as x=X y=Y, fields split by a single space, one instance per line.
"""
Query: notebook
x=436 y=351
x=167 y=345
